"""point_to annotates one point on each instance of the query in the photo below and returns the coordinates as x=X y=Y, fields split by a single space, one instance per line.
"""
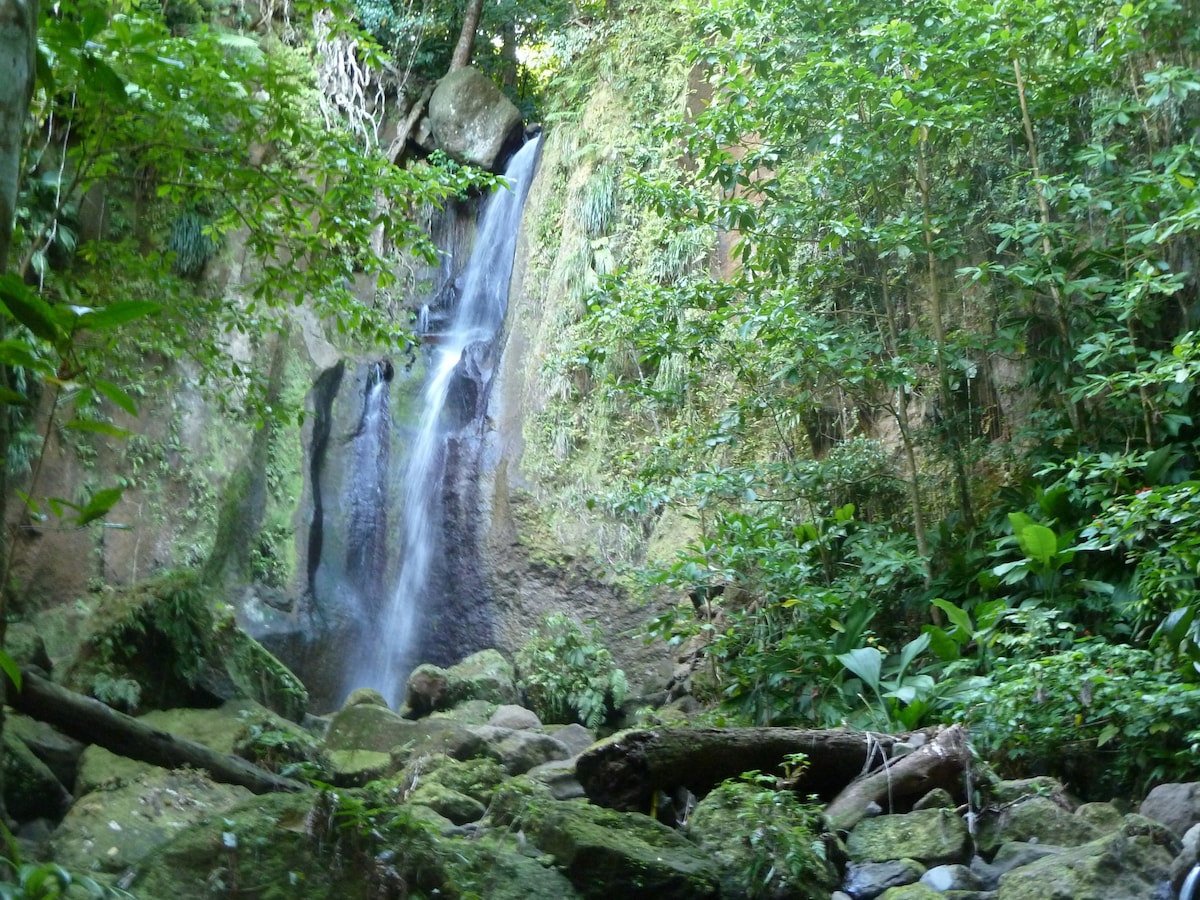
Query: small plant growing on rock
x=567 y=676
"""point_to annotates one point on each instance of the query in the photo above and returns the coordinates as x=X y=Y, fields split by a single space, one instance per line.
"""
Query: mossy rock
x=1115 y=867
x=219 y=728
x=300 y=845
x=931 y=836
x=31 y=790
x=1036 y=817
x=161 y=645
x=916 y=891
x=454 y=805
x=743 y=831
x=354 y=768
x=608 y=854
x=112 y=830
x=367 y=727
x=477 y=778
x=274 y=850
x=484 y=676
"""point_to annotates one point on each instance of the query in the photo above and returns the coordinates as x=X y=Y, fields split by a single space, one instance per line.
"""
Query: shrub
x=1103 y=716
x=567 y=676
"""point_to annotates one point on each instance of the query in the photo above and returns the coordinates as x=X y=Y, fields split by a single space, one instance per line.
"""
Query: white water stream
x=483 y=301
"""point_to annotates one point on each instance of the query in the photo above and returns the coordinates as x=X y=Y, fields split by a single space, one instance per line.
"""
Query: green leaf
x=116 y=395
x=99 y=504
x=1038 y=542
x=943 y=646
x=958 y=617
x=10 y=397
x=911 y=651
x=866 y=663
x=9 y=666
x=91 y=425
x=1107 y=734
x=117 y=314
x=29 y=309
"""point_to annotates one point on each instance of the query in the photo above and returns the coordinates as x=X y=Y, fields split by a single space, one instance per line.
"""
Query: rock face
x=472 y=121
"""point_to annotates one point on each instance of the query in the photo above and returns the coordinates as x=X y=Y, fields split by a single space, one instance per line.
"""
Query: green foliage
x=191 y=243
x=1107 y=717
x=22 y=880
x=779 y=833
x=567 y=676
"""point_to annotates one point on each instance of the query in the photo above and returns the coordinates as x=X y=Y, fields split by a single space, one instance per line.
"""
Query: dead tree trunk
x=941 y=762
x=625 y=773
x=91 y=721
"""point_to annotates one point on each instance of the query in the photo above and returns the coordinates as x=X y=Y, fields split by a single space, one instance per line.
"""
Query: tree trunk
x=90 y=720
x=940 y=763
x=466 y=37
x=18 y=55
x=627 y=772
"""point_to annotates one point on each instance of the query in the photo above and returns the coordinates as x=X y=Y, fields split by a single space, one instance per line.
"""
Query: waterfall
x=459 y=373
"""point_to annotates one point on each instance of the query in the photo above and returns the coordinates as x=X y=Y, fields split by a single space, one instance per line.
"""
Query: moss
x=162 y=644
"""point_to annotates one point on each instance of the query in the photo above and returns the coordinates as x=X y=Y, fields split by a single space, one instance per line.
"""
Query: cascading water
x=459 y=376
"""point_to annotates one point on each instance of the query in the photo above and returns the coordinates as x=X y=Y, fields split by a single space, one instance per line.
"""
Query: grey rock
x=1186 y=858
x=1175 y=805
x=865 y=881
x=518 y=718
x=574 y=737
x=471 y=120
x=559 y=776
x=952 y=878
x=519 y=751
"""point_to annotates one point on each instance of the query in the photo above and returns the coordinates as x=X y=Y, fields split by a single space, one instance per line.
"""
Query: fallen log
x=941 y=762
x=93 y=722
x=627 y=771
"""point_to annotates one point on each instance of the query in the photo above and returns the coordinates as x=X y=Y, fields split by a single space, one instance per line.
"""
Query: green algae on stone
x=477 y=778
x=454 y=805
x=1115 y=867
x=609 y=854
x=114 y=829
x=161 y=644
x=916 y=891
x=930 y=836
x=1038 y=817
x=354 y=768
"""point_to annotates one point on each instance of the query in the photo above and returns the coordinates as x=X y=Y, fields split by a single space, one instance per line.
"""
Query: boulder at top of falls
x=472 y=121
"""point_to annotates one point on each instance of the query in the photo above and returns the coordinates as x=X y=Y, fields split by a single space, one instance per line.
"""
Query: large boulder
x=485 y=676
x=519 y=751
x=30 y=789
x=1131 y=862
x=472 y=121
x=112 y=830
x=1037 y=817
x=1175 y=805
x=162 y=644
x=931 y=836
x=609 y=854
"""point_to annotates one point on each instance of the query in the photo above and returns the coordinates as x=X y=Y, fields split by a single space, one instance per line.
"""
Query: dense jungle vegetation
x=893 y=303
